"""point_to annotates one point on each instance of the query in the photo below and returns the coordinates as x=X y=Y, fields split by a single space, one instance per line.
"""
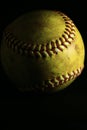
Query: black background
x=68 y=107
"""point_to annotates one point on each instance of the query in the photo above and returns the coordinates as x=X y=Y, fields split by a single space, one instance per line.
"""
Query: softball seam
x=59 y=80
x=41 y=50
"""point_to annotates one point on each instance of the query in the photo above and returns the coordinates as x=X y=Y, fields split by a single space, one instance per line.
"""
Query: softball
x=42 y=51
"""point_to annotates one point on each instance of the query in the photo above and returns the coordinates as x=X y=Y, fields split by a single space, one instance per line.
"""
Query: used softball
x=42 y=51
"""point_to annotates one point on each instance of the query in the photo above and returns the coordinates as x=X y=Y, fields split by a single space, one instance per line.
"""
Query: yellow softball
x=42 y=50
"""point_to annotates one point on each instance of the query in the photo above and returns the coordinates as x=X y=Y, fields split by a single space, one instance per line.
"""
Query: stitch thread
x=42 y=50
